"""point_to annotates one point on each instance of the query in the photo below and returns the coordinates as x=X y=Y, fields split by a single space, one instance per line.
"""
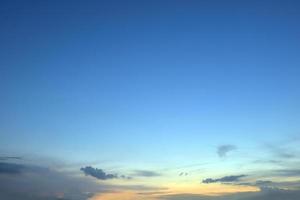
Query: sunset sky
x=150 y=100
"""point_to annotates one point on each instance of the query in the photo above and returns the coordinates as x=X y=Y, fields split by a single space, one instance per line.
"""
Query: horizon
x=152 y=100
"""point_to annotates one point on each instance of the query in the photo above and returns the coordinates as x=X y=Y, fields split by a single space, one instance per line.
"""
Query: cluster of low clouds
x=270 y=194
x=100 y=174
x=282 y=181
x=31 y=182
x=20 y=180
x=225 y=179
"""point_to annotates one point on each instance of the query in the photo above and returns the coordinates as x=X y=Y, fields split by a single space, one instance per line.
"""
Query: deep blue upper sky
x=108 y=79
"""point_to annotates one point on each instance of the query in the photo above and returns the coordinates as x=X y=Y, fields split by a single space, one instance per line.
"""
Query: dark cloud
x=31 y=182
x=258 y=183
x=263 y=183
x=5 y=158
x=125 y=177
x=97 y=173
x=225 y=179
x=268 y=194
x=183 y=174
x=266 y=185
x=11 y=168
x=17 y=168
x=145 y=173
x=224 y=149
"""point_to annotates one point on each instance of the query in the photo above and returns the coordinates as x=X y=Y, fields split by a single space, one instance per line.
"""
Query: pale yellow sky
x=175 y=189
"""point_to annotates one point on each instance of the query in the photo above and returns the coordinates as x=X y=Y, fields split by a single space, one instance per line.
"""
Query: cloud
x=11 y=168
x=258 y=183
x=32 y=182
x=267 y=174
x=224 y=179
x=268 y=161
x=183 y=174
x=145 y=173
x=263 y=183
x=287 y=172
x=224 y=149
x=280 y=152
x=97 y=173
x=5 y=158
x=269 y=194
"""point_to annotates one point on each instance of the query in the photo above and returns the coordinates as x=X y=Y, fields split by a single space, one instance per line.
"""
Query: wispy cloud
x=225 y=179
x=287 y=172
x=280 y=152
x=269 y=194
x=145 y=173
x=5 y=158
x=224 y=149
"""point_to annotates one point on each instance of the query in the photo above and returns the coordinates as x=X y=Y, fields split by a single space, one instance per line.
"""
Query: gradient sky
x=206 y=88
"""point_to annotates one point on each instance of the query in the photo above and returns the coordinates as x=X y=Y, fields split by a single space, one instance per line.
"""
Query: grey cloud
x=258 y=183
x=280 y=152
x=11 y=168
x=18 y=168
x=33 y=182
x=125 y=177
x=278 y=173
x=5 y=158
x=183 y=174
x=285 y=155
x=153 y=193
x=224 y=179
x=142 y=188
x=145 y=173
x=269 y=194
x=262 y=182
x=287 y=172
x=97 y=173
x=270 y=161
x=268 y=184
x=224 y=149
x=30 y=182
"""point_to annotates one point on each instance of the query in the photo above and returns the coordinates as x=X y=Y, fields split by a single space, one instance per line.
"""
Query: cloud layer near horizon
x=33 y=182
x=224 y=179
x=270 y=194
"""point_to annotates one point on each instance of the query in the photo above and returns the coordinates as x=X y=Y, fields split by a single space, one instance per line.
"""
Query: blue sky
x=153 y=84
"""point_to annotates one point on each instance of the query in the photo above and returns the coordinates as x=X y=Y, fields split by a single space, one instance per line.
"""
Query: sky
x=152 y=100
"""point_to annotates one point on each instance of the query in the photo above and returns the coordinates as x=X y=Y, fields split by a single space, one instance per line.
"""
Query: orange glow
x=212 y=190
x=126 y=195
